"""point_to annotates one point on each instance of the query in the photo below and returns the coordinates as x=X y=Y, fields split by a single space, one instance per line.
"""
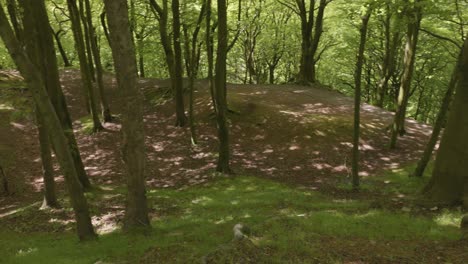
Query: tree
x=192 y=55
x=133 y=149
x=96 y=56
x=173 y=56
x=449 y=181
x=36 y=84
x=40 y=47
x=311 y=32
x=220 y=90
x=357 y=96
x=441 y=118
x=414 y=15
x=84 y=64
x=178 y=69
x=392 y=45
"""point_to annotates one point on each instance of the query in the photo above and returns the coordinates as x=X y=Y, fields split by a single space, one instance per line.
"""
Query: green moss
x=285 y=221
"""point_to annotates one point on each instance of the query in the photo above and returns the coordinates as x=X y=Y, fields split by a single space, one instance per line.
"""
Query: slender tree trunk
x=84 y=65
x=178 y=70
x=36 y=85
x=449 y=181
x=104 y=26
x=63 y=54
x=50 y=198
x=4 y=181
x=357 y=98
x=422 y=164
x=41 y=47
x=12 y=8
x=271 y=70
x=106 y=113
x=133 y=149
x=220 y=86
x=87 y=40
x=398 y=127
x=192 y=51
x=210 y=53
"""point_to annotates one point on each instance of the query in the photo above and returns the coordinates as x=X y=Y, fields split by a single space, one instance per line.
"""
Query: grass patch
x=288 y=224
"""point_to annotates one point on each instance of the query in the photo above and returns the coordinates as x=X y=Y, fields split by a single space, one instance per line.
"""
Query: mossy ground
x=289 y=225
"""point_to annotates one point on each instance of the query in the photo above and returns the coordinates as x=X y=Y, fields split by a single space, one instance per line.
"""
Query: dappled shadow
x=287 y=133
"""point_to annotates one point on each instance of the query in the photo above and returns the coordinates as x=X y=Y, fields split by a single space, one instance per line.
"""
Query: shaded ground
x=291 y=134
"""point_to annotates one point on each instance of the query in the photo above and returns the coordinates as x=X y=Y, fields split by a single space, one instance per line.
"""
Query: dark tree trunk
x=50 y=198
x=12 y=8
x=41 y=47
x=311 y=31
x=357 y=98
x=36 y=85
x=449 y=181
x=398 y=127
x=4 y=181
x=106 y=113
x=84 y=64
x=178 y=70
x=104 y=26
x=392 y=44
x=220 y=89
x=192 y=52
x=63 y=54
x=133 y=149
x=87 y=40
x=441 y=117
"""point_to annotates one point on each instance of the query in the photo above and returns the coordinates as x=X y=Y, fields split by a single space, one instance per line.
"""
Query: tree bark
x=441 y=117
x=4 y=181
x=178 y=70
x=311 y=32
x=36 y=85
x=106 y=113
x=449 y=182
x=357 y=98
x=210 y=53
x=63 y=54
x=40 y=46
x=133 y=149
x=84 y=64
x=392 y=43
x=50 y=197
x=220 y=89
x=398 y=127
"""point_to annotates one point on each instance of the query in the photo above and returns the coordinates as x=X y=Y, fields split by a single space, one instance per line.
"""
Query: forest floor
x=295 y=140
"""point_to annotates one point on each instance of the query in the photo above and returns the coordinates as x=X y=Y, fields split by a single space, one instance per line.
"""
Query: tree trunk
x=63 y=54
x=220 y=89
x=398 y=127
x=422 y=164
x=87 y=40
x=357 y=98
x=133 y=149
x=178 y=70
x=210 y=53
x=12 y=12
x=50 y=198
x=449 y=182
x=84 y=66
x=311 y=31
x=392 y=44
x=4 y=181
x=36 y=85
x=106 y=114
x=40 y=46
